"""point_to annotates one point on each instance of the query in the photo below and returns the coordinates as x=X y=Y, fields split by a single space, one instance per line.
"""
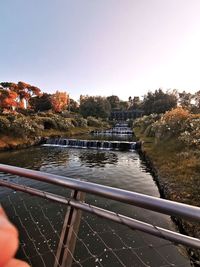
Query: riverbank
x=12 y=143
x=20 y=131
x=176 y=171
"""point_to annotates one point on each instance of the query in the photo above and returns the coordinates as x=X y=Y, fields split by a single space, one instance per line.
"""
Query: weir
x=119 y=129
x=93 y=144
x=115 y=131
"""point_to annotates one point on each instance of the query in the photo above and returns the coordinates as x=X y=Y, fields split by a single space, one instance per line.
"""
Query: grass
x=81 y=130
x=71 y=132
x=178 y=172
x=178 y=167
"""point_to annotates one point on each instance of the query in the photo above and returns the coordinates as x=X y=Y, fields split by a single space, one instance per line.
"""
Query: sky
x=101 y=47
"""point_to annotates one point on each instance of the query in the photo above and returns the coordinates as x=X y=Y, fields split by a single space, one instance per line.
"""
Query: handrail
x=144 y=201
x=116 y=217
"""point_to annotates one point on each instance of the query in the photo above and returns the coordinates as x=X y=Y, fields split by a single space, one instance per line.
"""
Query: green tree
x=134 y=103
x=73 y=105
x=95 y=106
x=114 y=101
x=123 y=105
x=190 y=101
x=41 y=103
x=158 y=102
x=185 y=100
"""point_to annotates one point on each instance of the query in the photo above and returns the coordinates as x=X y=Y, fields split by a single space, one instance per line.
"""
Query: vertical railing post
x=66 y=246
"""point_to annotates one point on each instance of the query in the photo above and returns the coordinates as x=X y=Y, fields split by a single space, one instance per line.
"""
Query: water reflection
x=34 y=158
x=43 y=219
x=98 y=159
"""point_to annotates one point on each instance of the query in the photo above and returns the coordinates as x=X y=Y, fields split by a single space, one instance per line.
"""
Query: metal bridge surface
x=76 y=204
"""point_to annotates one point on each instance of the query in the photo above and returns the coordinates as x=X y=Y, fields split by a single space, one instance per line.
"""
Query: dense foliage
x=41 y=103
x=114 y=101
x=178 y=124
x=190 y=101
x=16 y=97
x=59 y=101
x=158 y=102
x=19 y=125
x=95 y=106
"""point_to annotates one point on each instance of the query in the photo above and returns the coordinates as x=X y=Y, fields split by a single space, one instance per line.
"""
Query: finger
x=2 y=212
x=8 y=239
x=16 y=263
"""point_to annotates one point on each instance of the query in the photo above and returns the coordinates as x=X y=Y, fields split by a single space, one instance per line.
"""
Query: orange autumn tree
x=59 y=101
x=25 y=91
x=8 y=99
x=13 y=96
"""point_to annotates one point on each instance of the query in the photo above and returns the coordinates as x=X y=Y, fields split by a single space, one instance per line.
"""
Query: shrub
x=150 y=131
x=91 y=121
x=4 y=124
x=171 y=124
x=191 y=134
x=53 y=121
x=47 y=123
x=13 y=117
x=146 y=121
x=178 y=123
x=67 y=114
x=62 y=123
x=22 y=127
x=80 y=122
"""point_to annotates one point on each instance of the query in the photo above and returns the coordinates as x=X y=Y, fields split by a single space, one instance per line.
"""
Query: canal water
x=99 y=242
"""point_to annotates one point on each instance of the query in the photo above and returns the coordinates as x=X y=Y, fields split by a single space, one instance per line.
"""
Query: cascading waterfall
x=92 y=144
x=119 y=129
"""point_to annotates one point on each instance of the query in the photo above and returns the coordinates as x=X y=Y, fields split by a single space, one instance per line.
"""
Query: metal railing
x=76 y=203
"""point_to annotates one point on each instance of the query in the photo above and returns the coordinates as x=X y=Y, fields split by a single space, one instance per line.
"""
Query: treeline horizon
x=17 y=97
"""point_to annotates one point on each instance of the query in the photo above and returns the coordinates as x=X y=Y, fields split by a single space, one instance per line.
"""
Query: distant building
x=126 y=114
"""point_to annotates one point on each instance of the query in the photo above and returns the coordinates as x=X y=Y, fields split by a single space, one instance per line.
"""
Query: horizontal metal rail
x=148 y=202
x=118 y=218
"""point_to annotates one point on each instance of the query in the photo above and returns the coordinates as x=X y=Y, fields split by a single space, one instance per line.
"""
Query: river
x=100 y=242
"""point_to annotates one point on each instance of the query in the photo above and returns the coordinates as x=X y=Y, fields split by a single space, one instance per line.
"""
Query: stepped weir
x=119 y=129
x=93 y=144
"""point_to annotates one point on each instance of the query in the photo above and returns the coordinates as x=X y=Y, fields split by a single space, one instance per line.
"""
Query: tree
x=41 y=103
x=134 y=103
x=95 y=106
x=123 y=105
x=197 y=100
x=185 y=100
x=73 y=105
x=8 y=99
x=158 y=102
x=7 y=84
x=59 y=101
x=20 y=94
x=114 y=101
x=26 y=92
x=190 y=101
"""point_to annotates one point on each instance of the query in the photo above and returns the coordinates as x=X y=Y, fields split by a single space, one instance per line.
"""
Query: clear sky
x=101 y=47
